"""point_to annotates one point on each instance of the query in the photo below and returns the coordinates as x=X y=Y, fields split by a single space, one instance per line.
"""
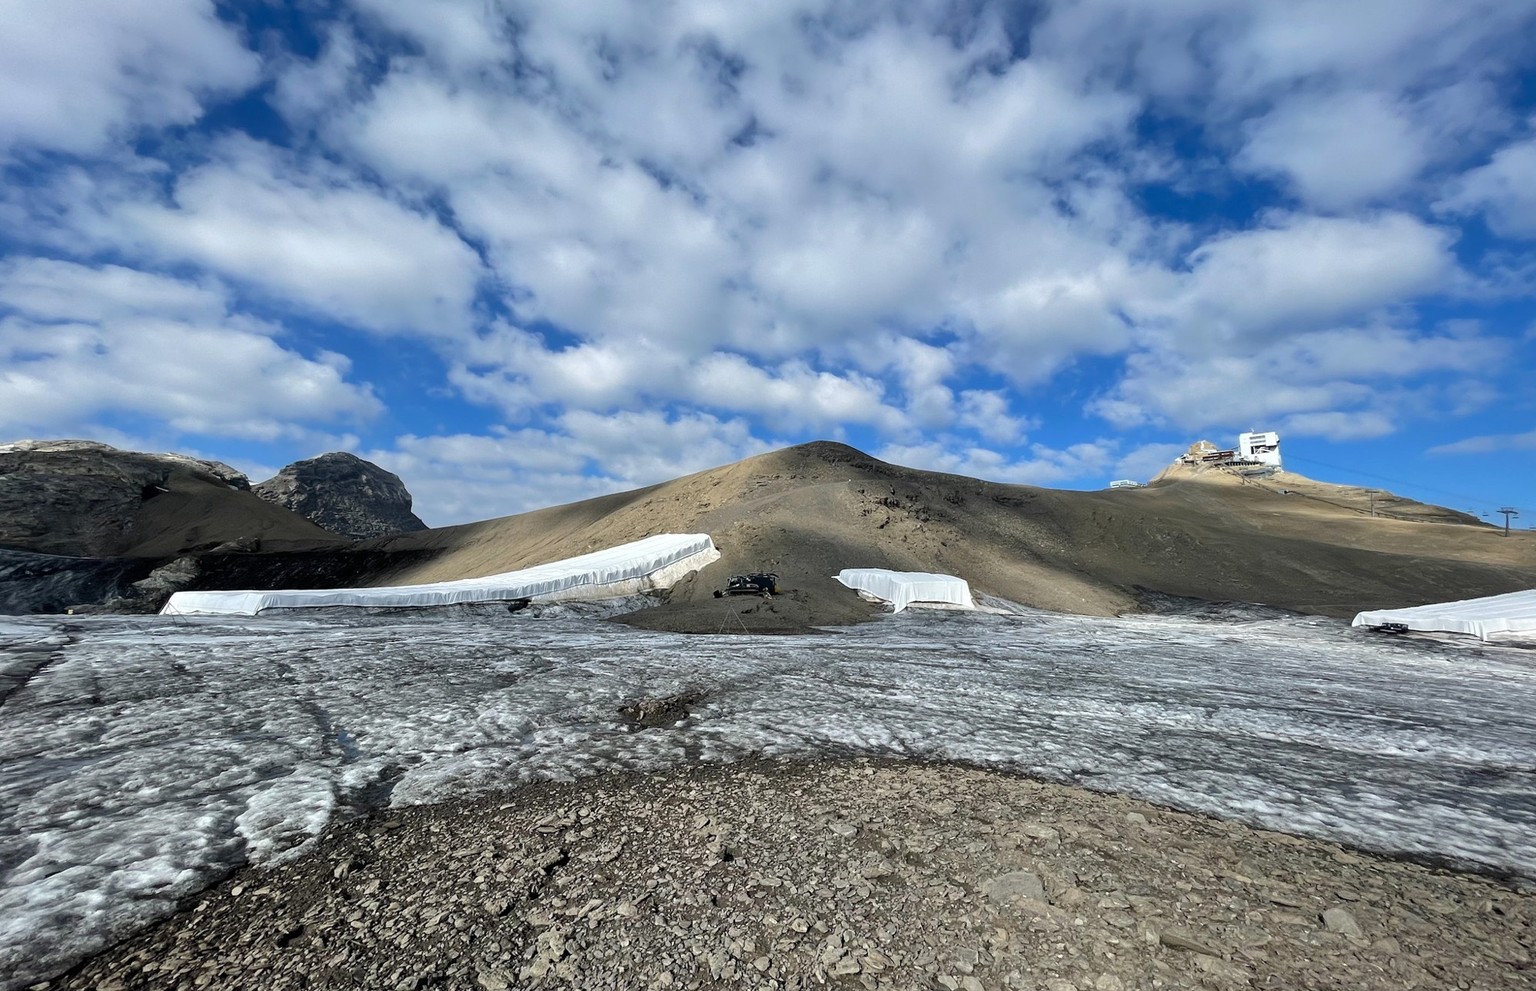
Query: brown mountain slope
x=808 y=511
x=195 y=513
x=1356 y=498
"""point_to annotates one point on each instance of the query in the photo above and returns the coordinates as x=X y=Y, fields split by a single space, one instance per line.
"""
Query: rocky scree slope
x=860 y=875
x=345 y=495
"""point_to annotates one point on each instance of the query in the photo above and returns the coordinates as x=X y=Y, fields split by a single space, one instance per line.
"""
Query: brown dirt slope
x=808 y=511
x=1352 y=498
x=197 y=514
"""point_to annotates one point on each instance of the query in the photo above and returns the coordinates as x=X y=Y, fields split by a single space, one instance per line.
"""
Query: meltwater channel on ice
x=146 y=757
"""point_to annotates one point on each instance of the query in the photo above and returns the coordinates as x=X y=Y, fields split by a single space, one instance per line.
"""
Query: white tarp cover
x=902 y=588
x=1514 y=612
x=615 y=571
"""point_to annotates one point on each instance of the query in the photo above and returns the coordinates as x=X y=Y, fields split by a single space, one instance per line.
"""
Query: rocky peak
x=82 y=497
x=344 y=494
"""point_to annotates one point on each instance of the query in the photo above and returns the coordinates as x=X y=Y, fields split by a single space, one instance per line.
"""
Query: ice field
x=141 y=758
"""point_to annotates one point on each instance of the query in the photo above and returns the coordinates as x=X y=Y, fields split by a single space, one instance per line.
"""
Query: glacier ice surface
x=142 y=758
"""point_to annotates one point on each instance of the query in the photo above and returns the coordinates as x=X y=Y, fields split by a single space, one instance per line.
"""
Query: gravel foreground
x=840 y=874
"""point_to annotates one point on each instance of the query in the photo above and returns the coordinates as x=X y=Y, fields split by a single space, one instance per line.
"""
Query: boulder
x=150 y=593
x=343 y=494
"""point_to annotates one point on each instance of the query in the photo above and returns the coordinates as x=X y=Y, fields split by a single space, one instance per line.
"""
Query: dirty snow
x=143 y=758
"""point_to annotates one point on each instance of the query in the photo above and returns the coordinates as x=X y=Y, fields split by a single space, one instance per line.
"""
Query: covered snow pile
x=654 y=562
x=902 y=588
x=1514 y=612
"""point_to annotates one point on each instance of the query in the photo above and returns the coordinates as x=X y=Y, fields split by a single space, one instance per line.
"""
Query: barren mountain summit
x=808 y=511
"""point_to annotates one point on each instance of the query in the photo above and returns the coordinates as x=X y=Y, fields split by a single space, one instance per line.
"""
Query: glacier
x=143 y=758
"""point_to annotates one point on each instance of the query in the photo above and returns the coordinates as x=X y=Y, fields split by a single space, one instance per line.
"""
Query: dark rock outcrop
x=49 y=583
x=88 y=527
x=345 y=495
x=82 y=498
x=149 y=594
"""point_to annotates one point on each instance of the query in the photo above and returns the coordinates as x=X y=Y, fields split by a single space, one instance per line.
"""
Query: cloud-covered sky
x=524 y=253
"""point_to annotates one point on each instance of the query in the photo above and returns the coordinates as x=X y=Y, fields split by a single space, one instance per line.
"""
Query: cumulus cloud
x=1043 y=465
x=1339 y=425
x=516 y=370
x=1236 y=55
x=1503 y=191
x=311 y=234
x=462 y=34
x=50 y=289
x=1338 y=149
x=1325 y=383
x=308 y=91
x=1489 y=444
x=81 y=74
x=1147 y=460
x=989 y=413
x=775 y=198
x=1300 y=272
x=79 y=343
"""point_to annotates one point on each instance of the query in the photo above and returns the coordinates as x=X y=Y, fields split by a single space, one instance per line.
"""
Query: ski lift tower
x=1508 y=511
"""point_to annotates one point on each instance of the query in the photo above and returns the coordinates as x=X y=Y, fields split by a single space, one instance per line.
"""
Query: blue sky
x=528 y=253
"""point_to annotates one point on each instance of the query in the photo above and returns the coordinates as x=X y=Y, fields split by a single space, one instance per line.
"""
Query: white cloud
x=1081 y=463
x=462 y=34
x=988 y=412
x=793 y=393
x=640 y=448
x=1338 y=425
x=1338 y=150
x=310 y=235
x=853 y=262
x=920 y=368
x=83 y=343
x=1337 y=383
x=1237 y=54
x=1503 y=191
x=79 y=74
x=66 y=291
x=1144 y=463
x=1490 y=444
x=888 y=183
x=1302 y=272
x=514 y=370
x=308 y=91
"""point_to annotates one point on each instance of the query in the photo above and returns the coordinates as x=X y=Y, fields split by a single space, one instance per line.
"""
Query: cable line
x=1395 y=481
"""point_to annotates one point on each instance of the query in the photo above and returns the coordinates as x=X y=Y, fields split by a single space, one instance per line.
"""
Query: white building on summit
x=1261 y=448
x=1258 y=452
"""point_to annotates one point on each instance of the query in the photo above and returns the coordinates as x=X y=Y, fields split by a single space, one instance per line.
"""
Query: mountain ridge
x=810 y=510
